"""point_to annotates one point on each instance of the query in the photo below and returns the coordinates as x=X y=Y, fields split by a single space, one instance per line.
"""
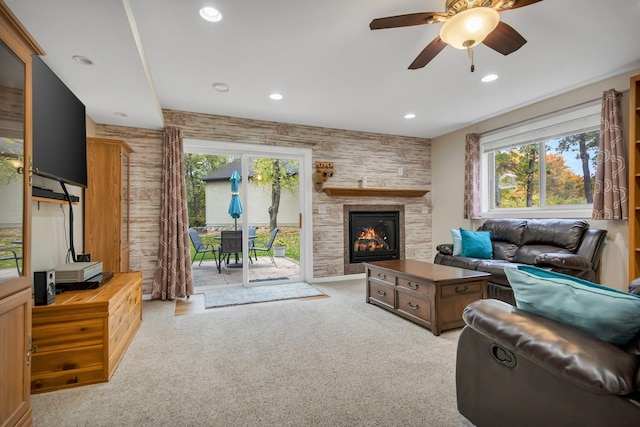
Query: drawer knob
x=382 y=294
x=412 y=286
x=462 y=289
x=413 y=307
x=382 y=276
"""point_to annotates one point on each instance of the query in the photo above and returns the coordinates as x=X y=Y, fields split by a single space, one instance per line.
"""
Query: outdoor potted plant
x=279 y=247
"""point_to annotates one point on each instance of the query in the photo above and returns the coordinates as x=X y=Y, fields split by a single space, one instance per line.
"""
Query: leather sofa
x=562 y=245
x=515 y=368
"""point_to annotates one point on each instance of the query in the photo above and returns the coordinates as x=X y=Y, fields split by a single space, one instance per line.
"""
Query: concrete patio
x=262 y=269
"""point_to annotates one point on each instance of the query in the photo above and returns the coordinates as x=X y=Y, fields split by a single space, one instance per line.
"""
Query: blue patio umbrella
x=235 y=207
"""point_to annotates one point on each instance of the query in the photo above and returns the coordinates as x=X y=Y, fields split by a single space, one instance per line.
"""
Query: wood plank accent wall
x=354 y=154
x=145 y=188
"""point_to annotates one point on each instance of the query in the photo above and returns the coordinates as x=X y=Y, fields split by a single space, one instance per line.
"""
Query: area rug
x=238 y=296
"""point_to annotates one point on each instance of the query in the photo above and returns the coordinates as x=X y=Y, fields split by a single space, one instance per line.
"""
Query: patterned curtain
x=173 y=271
x=610 y=188
x=472 y=208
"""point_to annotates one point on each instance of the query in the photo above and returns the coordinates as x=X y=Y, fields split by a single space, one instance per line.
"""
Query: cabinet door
x=15 y=318
x=126 y=201
x=12 y=155
x=16 y=48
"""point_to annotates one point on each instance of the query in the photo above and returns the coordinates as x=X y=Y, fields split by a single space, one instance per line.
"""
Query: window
x=546 y=166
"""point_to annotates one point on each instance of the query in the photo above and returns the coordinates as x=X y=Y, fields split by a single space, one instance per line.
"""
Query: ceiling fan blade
x=428 y=53
x=504 y=39
x=407 y=20
x=517 y=4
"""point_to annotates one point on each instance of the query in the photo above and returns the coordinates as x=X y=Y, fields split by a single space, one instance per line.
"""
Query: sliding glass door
x=247 y=201
x=274 y=197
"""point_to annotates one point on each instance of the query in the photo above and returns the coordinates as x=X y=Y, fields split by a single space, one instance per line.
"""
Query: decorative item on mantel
x=324 y=170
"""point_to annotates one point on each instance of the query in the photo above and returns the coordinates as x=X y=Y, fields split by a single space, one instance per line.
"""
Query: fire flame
x=370 y=240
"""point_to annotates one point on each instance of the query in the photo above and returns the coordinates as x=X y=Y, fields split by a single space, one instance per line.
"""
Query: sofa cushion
x=505 y=230
x=476 y=244
x=527 y=254
x=504 y=250
x=563 y=233
x=496 y=268
x=457 y=241
x=608 y=314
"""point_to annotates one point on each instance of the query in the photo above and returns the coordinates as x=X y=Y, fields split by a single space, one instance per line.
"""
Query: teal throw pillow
x=607 y=314
x=457 y=241
x=476 y=244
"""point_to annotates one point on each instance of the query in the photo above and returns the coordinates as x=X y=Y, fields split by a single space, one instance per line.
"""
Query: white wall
x=447 y=153
x=218 y=195
x=50 y=227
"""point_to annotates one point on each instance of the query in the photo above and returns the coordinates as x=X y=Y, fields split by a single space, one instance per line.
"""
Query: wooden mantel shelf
x=374 y=192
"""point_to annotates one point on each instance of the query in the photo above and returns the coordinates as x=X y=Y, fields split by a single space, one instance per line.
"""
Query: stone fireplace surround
x=355 y=268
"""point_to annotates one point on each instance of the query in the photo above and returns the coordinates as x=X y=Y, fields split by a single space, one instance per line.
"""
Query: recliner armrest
x=574 y=356
x=560 y=260
x=445 y=248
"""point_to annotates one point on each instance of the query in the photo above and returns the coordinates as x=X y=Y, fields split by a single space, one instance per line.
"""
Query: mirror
x=12 y=83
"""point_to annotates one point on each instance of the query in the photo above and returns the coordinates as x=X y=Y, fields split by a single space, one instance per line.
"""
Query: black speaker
x=44 y=287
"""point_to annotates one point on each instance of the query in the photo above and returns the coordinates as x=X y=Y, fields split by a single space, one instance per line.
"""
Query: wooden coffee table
x=431 y=295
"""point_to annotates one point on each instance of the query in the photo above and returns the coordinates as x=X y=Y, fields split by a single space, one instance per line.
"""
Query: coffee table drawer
x=383 y=276
x=381 y=293
x=410 y=304
x=414 y=285
x=461 y=289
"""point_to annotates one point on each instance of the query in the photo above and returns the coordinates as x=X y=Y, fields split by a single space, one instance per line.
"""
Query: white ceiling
x=332 y=70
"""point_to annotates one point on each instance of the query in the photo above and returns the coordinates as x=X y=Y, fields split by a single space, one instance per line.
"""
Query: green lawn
x=290 y=236
x=6 y=242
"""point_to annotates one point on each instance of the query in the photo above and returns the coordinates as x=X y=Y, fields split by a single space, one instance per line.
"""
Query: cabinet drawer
x=64 y=379
x=122 y=308
x=66 y=360
x=414 y=285
x=413 y=305
x=471 y=288
x=382 y=276
x=381 y=293
x=65 y=335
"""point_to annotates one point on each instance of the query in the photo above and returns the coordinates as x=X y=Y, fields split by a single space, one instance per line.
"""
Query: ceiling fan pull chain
x=470 y=52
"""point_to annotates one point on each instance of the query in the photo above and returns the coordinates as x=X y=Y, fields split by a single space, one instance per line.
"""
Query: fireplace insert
x=374 y=236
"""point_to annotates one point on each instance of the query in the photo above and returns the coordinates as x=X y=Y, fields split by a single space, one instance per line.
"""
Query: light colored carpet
x=307 y=362
x=239 y=296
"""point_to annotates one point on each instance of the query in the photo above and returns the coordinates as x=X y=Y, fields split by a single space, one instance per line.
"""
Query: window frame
x=539 y=130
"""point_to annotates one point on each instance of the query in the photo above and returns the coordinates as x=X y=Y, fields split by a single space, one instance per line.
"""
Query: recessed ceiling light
x=410 y=116
x=119 y=114
x=221 y=87
x=275 y=96
x=489 y=78
x=82 y=60
x=210 y=14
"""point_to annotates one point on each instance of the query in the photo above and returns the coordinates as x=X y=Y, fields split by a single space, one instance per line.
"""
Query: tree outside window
x=568 y=168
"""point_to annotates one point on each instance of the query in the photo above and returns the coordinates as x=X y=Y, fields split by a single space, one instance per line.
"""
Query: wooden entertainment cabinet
x=106 y=203
x=81 y=338
x=430 y=295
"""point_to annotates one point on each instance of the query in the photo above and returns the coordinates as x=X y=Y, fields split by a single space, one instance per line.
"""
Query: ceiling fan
x=466 y=23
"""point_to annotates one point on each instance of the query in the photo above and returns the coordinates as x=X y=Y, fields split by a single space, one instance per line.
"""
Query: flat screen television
x=59 y=128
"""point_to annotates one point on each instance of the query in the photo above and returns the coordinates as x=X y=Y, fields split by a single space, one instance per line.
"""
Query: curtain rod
x=621 y=92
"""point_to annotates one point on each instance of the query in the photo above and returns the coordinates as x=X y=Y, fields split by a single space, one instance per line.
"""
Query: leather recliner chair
x=515 y=368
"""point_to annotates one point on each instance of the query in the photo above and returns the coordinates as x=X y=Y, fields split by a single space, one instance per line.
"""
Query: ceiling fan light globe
x=470 y=27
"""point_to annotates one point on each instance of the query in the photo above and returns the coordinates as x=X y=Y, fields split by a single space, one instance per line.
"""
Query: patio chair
x=230 y=243
x=267 y=248
x=14 y=256
x=201 y=248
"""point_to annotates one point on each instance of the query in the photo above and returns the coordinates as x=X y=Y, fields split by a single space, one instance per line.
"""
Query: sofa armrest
x=560 y=260
x=574 y=356
x=445 y=248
